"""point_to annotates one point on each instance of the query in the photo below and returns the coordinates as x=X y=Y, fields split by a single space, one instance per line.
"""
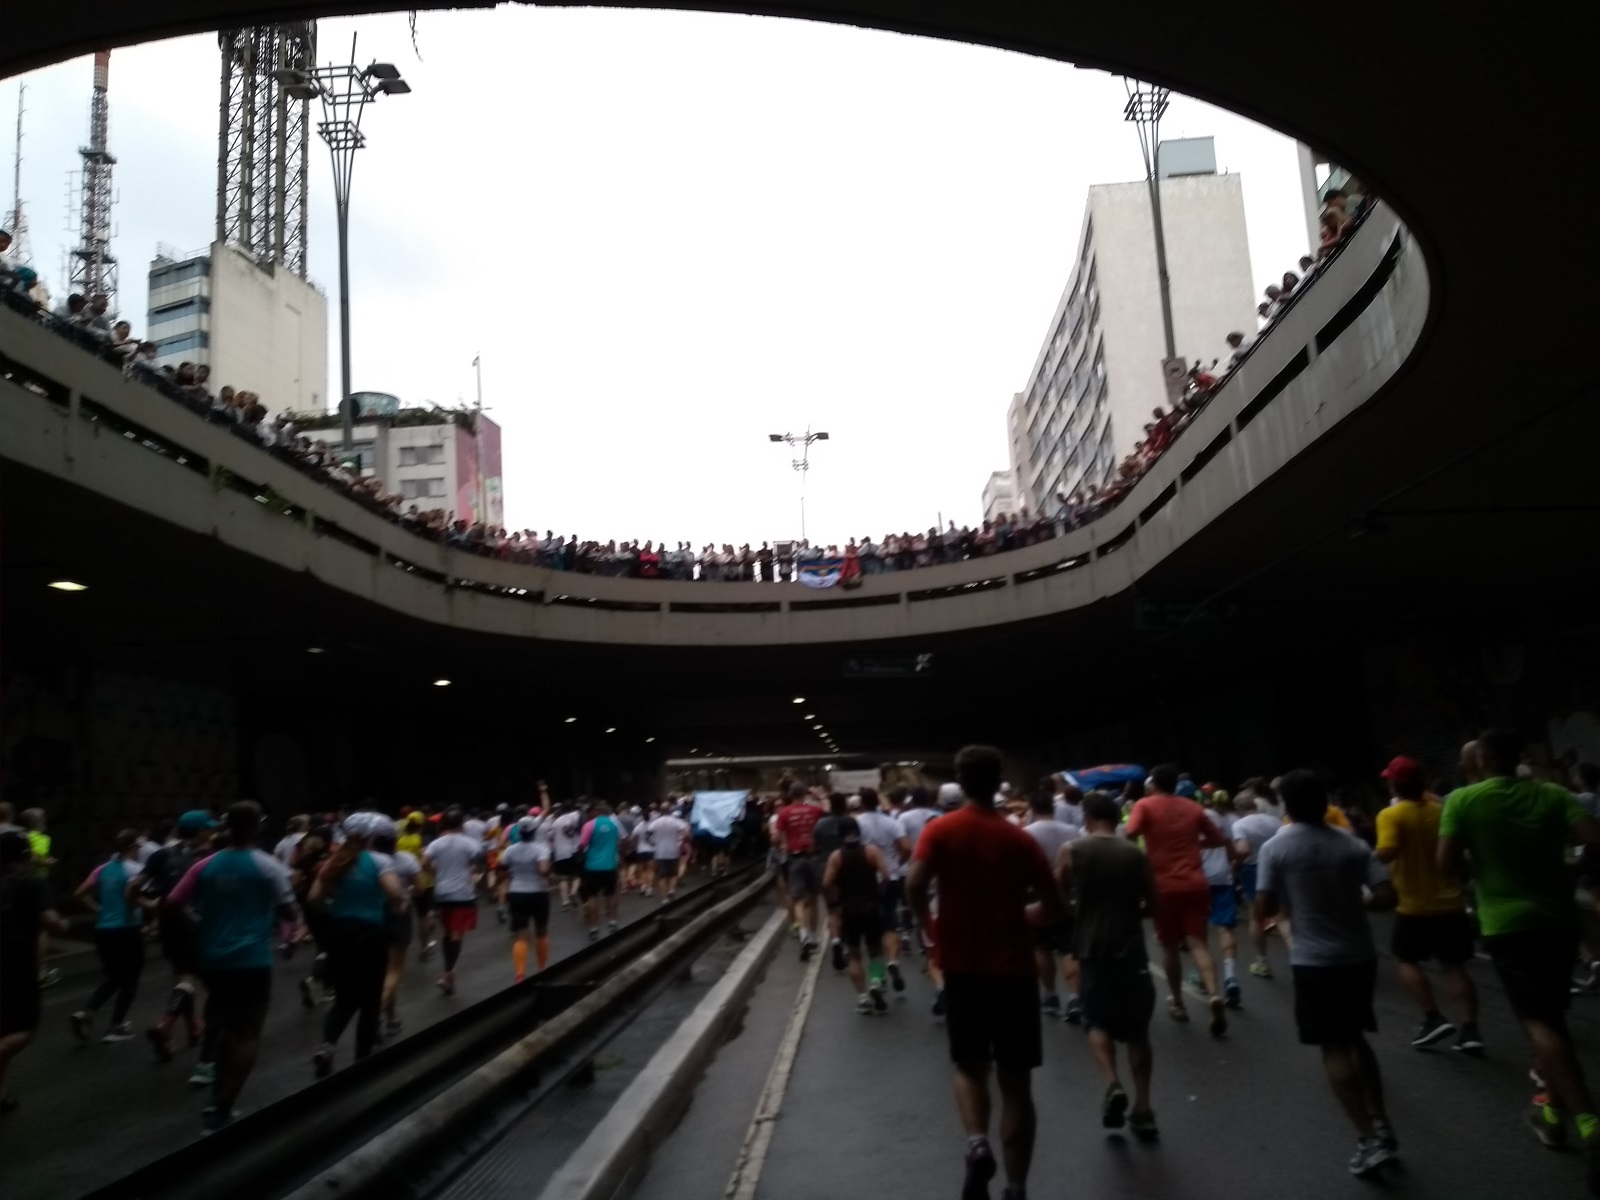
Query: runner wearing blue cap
x=162 y=872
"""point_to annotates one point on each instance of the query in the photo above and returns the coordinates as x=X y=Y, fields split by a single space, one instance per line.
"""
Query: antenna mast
x=18 y=223
x=94 y=267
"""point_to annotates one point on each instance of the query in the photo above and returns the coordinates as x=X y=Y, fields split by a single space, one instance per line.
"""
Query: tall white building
x=260 y=330
x=999 y=495
x=1097 y=379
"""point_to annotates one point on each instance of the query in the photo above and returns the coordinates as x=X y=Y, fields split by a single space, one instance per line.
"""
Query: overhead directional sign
x=887 y=666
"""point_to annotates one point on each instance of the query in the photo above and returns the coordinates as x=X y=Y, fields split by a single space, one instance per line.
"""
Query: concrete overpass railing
x=67 y=414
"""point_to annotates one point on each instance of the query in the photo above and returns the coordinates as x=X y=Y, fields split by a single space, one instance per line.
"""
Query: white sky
x=670 y=234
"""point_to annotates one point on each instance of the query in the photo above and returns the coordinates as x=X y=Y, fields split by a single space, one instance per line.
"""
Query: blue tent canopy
x=1109 y=775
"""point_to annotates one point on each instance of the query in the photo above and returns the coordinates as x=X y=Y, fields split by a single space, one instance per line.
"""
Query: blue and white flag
x=820 y=572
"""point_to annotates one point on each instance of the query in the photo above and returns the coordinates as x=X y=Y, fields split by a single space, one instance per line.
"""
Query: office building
x=1098 y=377
x=259 y=328
x=999 y=495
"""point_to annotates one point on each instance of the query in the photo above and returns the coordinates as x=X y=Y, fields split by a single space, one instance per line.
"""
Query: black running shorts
x=1118 y=997
x=1333 y=1005
x=1535 y=967
x=993 y=1018
x=862 y=924
x=1446 y=937
x=529 y=906
x=237 y=1000
x=598 y=883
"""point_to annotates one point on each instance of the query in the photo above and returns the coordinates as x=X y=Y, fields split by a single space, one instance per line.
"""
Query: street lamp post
x=1145 y=108
x=345 y=91
x=801 y=464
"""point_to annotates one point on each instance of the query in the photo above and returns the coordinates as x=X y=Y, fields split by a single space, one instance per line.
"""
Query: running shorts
x=237 y=999
x=1334 y=1004
x=1224 y=907
x=1055 y=938
x=400 y=926
x=1181 y=915
x=666 y=868
x=1535 y=967
x=178 y=943
x=422 y=901
x=894 y=895
x=1444 y=936
x=805 y=876
x=598 y=883
x=1118 y=997
x=569 y=868
x=862 y=924
x=641 y=856
x=458 y=916
x=993 y=1018
x=1247 y=882
x=529 y=906
x=20 y=1006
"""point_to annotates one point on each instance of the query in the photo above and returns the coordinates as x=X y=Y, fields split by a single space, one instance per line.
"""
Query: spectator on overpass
x=994 y=886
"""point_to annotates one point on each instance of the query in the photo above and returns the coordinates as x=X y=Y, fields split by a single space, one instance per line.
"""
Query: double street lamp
x=802 y=441
x=1147 y=104
x=345 y=91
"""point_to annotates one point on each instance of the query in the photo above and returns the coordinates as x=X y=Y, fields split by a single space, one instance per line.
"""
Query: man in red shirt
x=796 y=821
x=994 y=887
x=1174 y=829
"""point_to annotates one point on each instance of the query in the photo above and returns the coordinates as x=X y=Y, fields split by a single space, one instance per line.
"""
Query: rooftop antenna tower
x=263 y=147
x=93 y=267
x=17 y=219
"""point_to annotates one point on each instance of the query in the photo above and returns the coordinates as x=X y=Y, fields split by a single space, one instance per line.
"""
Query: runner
x=236 y=893
x=827 y=837
x=602 y=844
x=1316 y=873
x=888 y=835
x=360 y=890
x=525 y=890
x=1516 y=832
x=1174 y=830
x=797 y=822
x=401 y=925
x=1113 y=890
x=25 y=913
x=1217 y=863
x=1431 y=918
x=118 y=939
x=1052 y=833
x=668 y=832
x=413 y=841
x=41 y=846
x=641 y=858
x=564 y=834
x=987 y=872
x=453 y=856
x=1251 y=830
x=854 y=880
x=163 y=872
x=1066 y=801
x=309 y=856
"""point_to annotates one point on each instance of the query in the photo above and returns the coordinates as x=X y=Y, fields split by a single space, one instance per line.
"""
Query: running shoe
x=980 y=1170
x=49 y=977
x=1369 y=1156
x=594 y=935
x=499 y=914
x=1587 y=978
x=82 y=1025
x=391 y=1027
x=1114 y=1108
x=1074 y=1013
x=214 y=1120
x=1469 y=1040
x=204 y=1074
x=322 y=1062
x=611 y=927
x=160 y=1042
x=1232 y=993
x=120 y=1033
x=896 y=980
x=840 y=958
x=447 y=983
x=807 y=949
x=1219 y=1017
x=1434 y=1028
x=1143 y=1125
x=864 y=1005
x=1384 y=1132
x=1261 y=970
x=879 y=1004
x=1554 y=1137
x=938 y=1003
x=1051 y=1004
x=1176 y=1010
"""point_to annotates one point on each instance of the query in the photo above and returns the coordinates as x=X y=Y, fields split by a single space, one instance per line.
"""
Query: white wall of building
x=999 y=495
x=269 y=333
x=421 y=465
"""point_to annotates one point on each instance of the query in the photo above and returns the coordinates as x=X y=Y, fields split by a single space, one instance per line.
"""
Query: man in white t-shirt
x=1068 y=803
x=1251 y=830
x=1052 y=834
x=454 y=857
x=886 y=832
x=565 y=831
x=1217 y=863
x=667 y=835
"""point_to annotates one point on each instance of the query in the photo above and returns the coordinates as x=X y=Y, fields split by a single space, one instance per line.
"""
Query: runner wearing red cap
x=1431 y=917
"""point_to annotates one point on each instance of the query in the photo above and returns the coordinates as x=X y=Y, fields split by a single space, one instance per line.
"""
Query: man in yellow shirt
x=1431 y=918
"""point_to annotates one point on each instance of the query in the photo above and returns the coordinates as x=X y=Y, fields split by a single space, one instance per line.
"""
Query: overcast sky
x=670 y=234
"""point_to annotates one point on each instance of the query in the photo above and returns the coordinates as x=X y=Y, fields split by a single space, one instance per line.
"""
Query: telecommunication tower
x=263 y=147
x=93 y=267
x=17 y=219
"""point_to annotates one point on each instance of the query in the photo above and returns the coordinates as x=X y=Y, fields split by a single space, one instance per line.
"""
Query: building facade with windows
x=258 y=329
x=999 y=495
x=1097 y=379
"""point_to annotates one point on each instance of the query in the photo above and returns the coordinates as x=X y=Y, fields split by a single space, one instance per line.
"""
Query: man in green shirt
x=1515 y=833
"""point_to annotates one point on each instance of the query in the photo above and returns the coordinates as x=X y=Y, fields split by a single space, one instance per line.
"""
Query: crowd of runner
x=1012 y=897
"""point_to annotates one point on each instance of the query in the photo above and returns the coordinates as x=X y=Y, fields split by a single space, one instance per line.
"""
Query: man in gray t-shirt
x=1317 y=874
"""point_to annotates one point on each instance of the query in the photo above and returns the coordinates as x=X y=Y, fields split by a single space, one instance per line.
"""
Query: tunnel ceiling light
x=68 y=585
x=799 y=699
x=611 y=728
x=809 y=717
x=649 y=739
x=314 y=650
x=441 y=683
x=816 y=727
x=569 y=720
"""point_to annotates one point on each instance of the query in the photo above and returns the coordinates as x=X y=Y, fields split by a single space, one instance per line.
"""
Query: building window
x=194 y=269
x=194 y=306
x=187 y=341
x=421 y=456
x=422 y=489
